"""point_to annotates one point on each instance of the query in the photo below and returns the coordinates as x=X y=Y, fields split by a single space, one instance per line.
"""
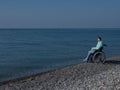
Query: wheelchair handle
x=105 y=45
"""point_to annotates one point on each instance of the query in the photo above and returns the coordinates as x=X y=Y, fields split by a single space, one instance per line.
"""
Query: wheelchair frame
x=98 y=56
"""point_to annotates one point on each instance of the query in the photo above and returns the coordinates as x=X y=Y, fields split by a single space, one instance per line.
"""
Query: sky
x=59 y=13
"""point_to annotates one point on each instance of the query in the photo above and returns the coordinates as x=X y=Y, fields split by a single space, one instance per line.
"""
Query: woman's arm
x=98 y=46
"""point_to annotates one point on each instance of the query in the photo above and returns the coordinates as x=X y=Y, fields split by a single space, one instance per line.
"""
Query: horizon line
x=67 y=28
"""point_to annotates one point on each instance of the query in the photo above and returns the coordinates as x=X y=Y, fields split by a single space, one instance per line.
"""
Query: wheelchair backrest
x=100 y=49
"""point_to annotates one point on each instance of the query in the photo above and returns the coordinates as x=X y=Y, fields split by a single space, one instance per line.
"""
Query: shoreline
x=61 y=78
x=34 y=75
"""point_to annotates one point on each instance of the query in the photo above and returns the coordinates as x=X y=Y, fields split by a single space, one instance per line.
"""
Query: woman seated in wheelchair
x=94 y=49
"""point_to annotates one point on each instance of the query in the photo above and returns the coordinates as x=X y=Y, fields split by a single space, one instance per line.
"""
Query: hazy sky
x=60 y=14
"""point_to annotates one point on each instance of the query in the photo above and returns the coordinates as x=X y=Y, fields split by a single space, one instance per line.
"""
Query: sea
x=29 y=51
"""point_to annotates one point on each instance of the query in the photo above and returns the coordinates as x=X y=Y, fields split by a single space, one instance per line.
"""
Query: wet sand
x=84 y=76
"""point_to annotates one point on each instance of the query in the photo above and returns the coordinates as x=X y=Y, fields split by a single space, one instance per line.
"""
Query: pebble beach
x=83 y=76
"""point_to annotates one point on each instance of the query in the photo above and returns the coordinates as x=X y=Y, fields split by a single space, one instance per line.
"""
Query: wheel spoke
x=99 y=57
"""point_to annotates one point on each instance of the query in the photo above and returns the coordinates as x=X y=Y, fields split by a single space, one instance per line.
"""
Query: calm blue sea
x=28 y=51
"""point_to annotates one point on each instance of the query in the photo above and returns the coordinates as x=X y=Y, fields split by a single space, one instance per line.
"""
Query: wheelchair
x=98 y=56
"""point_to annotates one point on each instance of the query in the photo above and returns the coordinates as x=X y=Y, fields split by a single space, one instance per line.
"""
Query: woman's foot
x=84 y=60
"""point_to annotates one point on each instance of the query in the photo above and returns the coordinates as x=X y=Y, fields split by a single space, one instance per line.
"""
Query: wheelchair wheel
x=99 y=57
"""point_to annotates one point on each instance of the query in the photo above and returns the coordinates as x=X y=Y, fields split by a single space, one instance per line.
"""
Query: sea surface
x=29 y=51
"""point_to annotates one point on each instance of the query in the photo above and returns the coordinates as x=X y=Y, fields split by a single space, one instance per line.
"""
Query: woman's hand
x=93 y=48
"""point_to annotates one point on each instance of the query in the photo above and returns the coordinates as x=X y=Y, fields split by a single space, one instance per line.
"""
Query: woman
x=93 y=49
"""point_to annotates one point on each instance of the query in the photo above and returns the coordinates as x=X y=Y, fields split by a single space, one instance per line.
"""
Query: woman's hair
x=100 y=38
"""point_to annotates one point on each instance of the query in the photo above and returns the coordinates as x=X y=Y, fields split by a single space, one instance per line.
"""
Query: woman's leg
x=89 y=53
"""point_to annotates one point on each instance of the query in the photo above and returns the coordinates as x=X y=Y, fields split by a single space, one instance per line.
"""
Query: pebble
x=85 y=76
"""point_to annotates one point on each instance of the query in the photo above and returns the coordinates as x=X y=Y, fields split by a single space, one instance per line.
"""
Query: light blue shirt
x=98 y=46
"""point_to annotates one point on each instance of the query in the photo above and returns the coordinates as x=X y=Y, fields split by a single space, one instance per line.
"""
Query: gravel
x=84 y=76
